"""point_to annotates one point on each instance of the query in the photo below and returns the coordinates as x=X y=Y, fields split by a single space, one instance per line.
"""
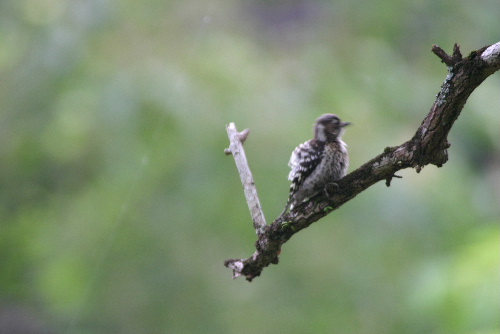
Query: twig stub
x=445 y=58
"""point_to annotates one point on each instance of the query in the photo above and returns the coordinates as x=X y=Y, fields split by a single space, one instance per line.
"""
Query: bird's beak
x=345 y=124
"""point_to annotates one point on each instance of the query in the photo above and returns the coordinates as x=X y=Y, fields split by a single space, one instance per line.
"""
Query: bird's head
x=329 y=128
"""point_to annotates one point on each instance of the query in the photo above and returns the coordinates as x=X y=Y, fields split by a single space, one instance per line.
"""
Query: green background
x=118 y=206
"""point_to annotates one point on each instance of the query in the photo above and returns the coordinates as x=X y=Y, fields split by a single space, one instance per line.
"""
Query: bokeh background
x=118 y=206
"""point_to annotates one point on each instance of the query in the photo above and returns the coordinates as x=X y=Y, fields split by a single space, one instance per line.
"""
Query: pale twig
x=236 y=140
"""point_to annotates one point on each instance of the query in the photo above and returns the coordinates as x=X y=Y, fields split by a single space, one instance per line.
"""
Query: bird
x=318 y=161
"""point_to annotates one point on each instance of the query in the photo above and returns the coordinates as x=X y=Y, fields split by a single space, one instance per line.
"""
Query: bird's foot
x=330 y=189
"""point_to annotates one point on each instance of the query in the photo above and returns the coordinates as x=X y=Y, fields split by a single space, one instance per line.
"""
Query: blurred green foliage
x=118 y=207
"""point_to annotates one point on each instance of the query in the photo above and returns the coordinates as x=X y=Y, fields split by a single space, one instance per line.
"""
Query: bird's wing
x=304 y=160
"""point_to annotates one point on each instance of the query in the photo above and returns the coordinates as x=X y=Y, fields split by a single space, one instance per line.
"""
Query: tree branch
x=236 y=149
x=428 y=146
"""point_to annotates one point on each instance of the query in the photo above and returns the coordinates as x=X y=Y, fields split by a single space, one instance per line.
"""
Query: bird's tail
x=288 y=205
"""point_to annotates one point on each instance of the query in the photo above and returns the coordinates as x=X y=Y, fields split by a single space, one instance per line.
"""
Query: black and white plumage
x=318 y=161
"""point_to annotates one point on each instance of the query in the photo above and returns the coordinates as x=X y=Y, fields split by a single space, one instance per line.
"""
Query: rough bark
x=428 y=146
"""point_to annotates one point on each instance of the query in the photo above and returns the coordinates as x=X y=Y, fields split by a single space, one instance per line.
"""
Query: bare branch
x=236 y=149
x=428 y=146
